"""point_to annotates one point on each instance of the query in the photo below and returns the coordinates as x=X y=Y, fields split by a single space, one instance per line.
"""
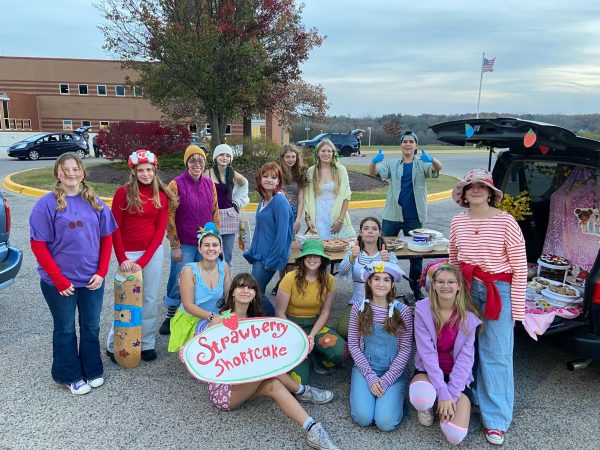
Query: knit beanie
x=222 y=149
x=192 y=150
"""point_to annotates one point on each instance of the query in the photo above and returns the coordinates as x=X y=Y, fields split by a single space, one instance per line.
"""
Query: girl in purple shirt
x=380 y=341
x=445 y=327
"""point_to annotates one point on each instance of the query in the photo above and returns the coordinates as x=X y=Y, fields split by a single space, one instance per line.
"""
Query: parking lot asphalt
x=159 y=405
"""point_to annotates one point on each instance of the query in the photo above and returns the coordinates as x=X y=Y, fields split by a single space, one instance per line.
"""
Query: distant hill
x=587 y=125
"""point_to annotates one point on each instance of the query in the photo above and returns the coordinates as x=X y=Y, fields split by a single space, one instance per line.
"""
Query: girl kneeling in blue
x=380 y=336
x=445 y=327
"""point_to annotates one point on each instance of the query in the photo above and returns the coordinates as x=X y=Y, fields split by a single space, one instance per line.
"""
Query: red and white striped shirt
x=496 y=245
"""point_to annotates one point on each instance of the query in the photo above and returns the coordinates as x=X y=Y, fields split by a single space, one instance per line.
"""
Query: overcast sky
x=393 y=56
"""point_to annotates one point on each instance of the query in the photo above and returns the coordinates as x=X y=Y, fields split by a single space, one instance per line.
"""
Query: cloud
x=391 y=56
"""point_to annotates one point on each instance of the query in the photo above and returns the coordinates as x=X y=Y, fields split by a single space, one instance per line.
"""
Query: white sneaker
x=425 y=417
x=314 y=395
x=96 y=382
x=79 y=388
x=318 y=438
x=494 y=436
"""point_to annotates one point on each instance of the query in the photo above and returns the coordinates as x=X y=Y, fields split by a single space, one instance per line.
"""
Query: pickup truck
x=10 y=258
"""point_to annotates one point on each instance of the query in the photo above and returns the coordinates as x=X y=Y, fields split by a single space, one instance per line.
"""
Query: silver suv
x=10 y=257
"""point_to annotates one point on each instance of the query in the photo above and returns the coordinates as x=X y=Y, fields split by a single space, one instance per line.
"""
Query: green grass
x=44 y=179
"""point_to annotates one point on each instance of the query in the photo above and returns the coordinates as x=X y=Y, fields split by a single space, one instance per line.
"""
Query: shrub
x=256 y=153
x=124 y=137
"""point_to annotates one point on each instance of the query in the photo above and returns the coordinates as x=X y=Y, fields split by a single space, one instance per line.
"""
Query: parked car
x=10 y=257
x=44 y=145
x=557 y=169
x=345 y=143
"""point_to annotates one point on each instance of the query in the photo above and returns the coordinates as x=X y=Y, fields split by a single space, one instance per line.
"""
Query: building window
x=63 y=88
x=86 y=123
x=68 y=125
x=101 y=89
x=104 y=124
x=193 y=128
x=138 y=91
x=227 y=129
x=120 y=90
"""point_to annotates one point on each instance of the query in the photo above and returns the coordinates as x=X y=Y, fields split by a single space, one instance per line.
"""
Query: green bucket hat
x=313 y=247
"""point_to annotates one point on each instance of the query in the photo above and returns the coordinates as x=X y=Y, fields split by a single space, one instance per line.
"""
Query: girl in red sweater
x=141 y=211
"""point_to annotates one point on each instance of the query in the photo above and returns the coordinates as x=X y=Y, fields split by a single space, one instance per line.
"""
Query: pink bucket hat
x=475 y=176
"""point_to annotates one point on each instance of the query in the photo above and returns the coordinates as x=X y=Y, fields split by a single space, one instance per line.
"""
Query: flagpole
x=480 y=82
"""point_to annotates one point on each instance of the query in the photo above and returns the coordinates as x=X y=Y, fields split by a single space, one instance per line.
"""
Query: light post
x=369 y=128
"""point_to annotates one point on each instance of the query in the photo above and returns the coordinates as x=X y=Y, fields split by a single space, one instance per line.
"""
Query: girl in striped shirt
x=368 y=248
x=489 y=247
x=380 y=339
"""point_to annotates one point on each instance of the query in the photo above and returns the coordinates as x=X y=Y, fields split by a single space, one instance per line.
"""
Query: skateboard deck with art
x=128 y=318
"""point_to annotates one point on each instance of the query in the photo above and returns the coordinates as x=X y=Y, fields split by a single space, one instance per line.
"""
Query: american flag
x=488 y=65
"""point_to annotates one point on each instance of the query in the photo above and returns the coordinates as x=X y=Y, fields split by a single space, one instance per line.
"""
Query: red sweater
x=139 y=232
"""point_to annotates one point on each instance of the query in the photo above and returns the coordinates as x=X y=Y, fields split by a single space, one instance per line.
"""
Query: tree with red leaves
x=232 y=55
x=124 y=137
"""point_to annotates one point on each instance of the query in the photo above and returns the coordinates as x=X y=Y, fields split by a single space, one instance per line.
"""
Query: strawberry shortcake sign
x=241 y=351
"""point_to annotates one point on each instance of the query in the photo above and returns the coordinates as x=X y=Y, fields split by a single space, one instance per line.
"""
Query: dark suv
x=345 y=143
x=49 y=145
x=561 y=173
x=10 y=257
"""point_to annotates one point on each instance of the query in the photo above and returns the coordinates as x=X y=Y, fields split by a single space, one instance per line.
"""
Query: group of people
x=463 y=330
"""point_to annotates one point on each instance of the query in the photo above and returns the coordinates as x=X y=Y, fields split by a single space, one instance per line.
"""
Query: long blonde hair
x=132 y=190
x=316 y=178
x=87 y=192
x=462 y=303
x=392 y=325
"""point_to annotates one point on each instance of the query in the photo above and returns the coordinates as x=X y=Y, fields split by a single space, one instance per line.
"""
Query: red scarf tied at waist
x=493 y=303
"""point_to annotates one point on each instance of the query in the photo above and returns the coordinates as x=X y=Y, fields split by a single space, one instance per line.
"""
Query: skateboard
x=128 y=318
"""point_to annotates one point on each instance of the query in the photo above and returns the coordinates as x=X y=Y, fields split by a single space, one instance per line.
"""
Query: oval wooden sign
x=257 y=349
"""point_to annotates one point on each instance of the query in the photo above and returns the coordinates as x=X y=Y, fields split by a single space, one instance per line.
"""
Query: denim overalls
x=380 y=350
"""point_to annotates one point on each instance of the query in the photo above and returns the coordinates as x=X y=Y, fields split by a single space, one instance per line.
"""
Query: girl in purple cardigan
x=380 y=339
x=445 y=327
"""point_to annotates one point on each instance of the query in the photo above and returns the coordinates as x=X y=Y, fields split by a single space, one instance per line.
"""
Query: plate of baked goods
x=394 y=243
x=432 y=233
x=561 y=292
x=335 y=245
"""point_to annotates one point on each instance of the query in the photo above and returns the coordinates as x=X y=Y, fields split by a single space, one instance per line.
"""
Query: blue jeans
x=365 y=408
x=494 y=381
x=69 y=363
x=391 y=228
x=228 y=243
x=263 y=276
x=190 y=254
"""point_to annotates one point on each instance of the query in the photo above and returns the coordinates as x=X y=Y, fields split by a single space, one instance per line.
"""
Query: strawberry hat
x=142 y=157
x=472 y=177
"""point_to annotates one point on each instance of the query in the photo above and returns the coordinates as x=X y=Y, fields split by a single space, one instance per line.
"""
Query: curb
x=10 y=185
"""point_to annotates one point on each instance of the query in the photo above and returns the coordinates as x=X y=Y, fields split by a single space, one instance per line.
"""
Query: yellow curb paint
x=9 y=184
x=251 y=207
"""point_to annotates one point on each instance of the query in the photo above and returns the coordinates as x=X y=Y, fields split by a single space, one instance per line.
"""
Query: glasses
x=75 y=224
x=444 y=282
x=196 y=161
